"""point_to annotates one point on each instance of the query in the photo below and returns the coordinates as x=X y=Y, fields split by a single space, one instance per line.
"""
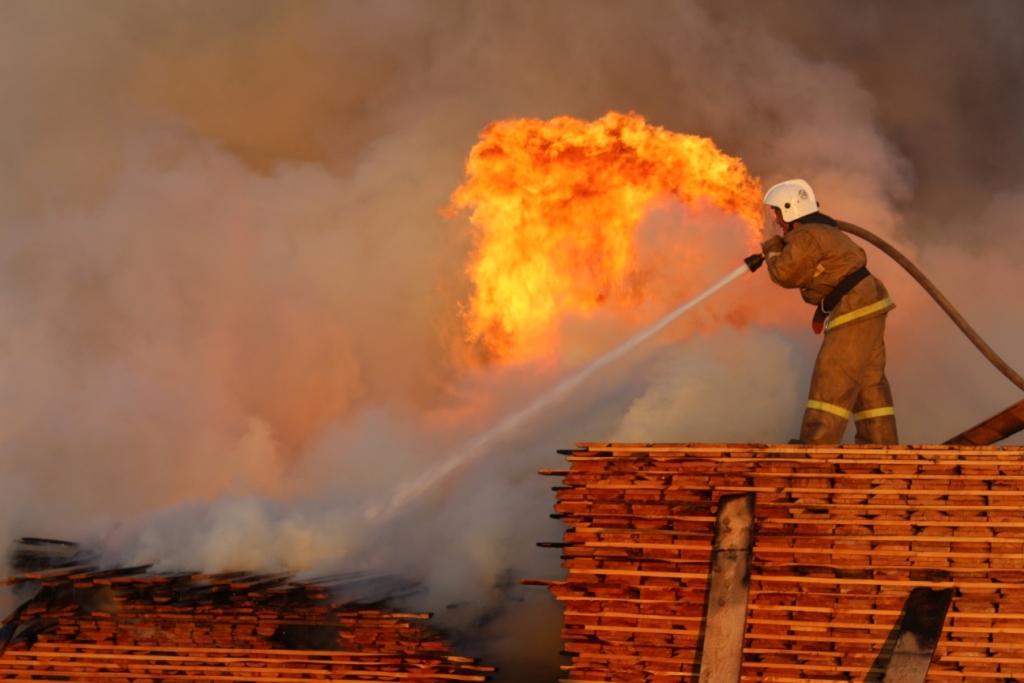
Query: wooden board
x=728 y=590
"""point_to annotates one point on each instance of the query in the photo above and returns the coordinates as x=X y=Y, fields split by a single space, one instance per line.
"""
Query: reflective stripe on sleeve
x=858 y=313
x=829 y=408
x=874 y=412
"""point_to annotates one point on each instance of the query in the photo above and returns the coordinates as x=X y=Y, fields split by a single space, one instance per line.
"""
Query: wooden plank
x=282 y=657
x=942 y=491
x=242 y=652
x=604 y=447
x=695 y=633
x=591 y=450
x=969 y=569
x=755 y=593
x=860 y=521
x=996 y=428
x=728 y=590
x=979 y=459
x=818 y=566
x=873 y=538
x=924 y=615
x=690 y=483
x=796 y=579
x=786 y=550
x=916 y=476
x=833 y=521
x=823 y=625
x=92 y=676
x=243 y=667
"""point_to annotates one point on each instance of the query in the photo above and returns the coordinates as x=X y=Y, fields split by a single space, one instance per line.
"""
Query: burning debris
x=847 y=540
x=86 y=623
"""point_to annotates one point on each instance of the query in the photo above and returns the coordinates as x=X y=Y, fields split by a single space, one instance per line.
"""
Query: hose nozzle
x=754 y=261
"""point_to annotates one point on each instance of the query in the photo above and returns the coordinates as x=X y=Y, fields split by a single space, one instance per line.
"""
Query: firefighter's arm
x=792 y=264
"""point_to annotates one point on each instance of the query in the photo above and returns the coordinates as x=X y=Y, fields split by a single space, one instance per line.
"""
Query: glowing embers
x=555 y=206
x=124 y=624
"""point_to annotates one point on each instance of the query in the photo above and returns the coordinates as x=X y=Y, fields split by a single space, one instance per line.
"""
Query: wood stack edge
x=87 y=624
x=842 y=536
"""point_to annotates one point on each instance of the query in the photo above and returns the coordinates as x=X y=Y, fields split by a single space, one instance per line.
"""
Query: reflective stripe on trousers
x=845 y=414
x=874 y=412
x=829 y=408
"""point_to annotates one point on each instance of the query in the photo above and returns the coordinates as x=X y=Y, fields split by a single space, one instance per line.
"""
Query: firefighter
x=812 y=254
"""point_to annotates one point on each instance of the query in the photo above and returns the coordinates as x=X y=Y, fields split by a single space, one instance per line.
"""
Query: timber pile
x=842 y=536
x=87 y=624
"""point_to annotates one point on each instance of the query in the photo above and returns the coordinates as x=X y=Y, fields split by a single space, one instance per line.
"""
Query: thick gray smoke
x=228 y=301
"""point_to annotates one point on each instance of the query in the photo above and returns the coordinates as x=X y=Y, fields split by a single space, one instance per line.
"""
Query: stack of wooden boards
x=127 y=624
x=842 y=536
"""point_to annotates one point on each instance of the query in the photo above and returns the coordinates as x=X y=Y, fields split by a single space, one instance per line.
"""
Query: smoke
x=946 y=85
x=732 y=369
x=228 y=301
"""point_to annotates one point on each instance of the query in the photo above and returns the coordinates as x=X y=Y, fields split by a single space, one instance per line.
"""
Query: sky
x=230 y=299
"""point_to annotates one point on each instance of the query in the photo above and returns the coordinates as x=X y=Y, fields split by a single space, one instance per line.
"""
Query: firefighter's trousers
x=849 y=381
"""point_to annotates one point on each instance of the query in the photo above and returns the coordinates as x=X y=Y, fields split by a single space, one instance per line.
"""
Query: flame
x=555 y=207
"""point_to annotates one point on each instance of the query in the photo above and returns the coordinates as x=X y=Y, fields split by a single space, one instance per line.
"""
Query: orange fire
x=555 y=207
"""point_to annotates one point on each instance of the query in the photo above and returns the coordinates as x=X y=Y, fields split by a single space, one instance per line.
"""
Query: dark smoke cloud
x=947 y=81
x=228 y=300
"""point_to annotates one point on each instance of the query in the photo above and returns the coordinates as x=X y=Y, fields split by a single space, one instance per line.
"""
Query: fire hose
x=753 y=262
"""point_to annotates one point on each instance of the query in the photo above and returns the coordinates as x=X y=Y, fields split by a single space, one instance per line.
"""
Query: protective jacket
x=816 y=257
x=849 y=373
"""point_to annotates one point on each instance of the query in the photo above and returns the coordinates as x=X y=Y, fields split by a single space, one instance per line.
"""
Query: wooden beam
x=923 y=616
x=728 y=590
x=995 y=428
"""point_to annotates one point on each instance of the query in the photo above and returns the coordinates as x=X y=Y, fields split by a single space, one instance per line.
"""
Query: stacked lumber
x=842 y=537
x=89 y=624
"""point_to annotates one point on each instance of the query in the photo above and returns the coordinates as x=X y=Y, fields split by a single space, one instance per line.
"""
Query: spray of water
x=410 y=490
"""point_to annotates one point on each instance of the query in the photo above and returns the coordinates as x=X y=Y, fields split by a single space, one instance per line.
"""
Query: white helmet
x=794 y=198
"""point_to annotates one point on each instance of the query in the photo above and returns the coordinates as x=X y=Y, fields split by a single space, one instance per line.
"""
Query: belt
x=832 y=299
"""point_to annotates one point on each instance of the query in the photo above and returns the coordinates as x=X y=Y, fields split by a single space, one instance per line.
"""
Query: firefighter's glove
x=772 y=246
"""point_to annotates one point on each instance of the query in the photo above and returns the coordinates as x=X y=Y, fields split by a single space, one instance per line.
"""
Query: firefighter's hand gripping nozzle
x=754 y=261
